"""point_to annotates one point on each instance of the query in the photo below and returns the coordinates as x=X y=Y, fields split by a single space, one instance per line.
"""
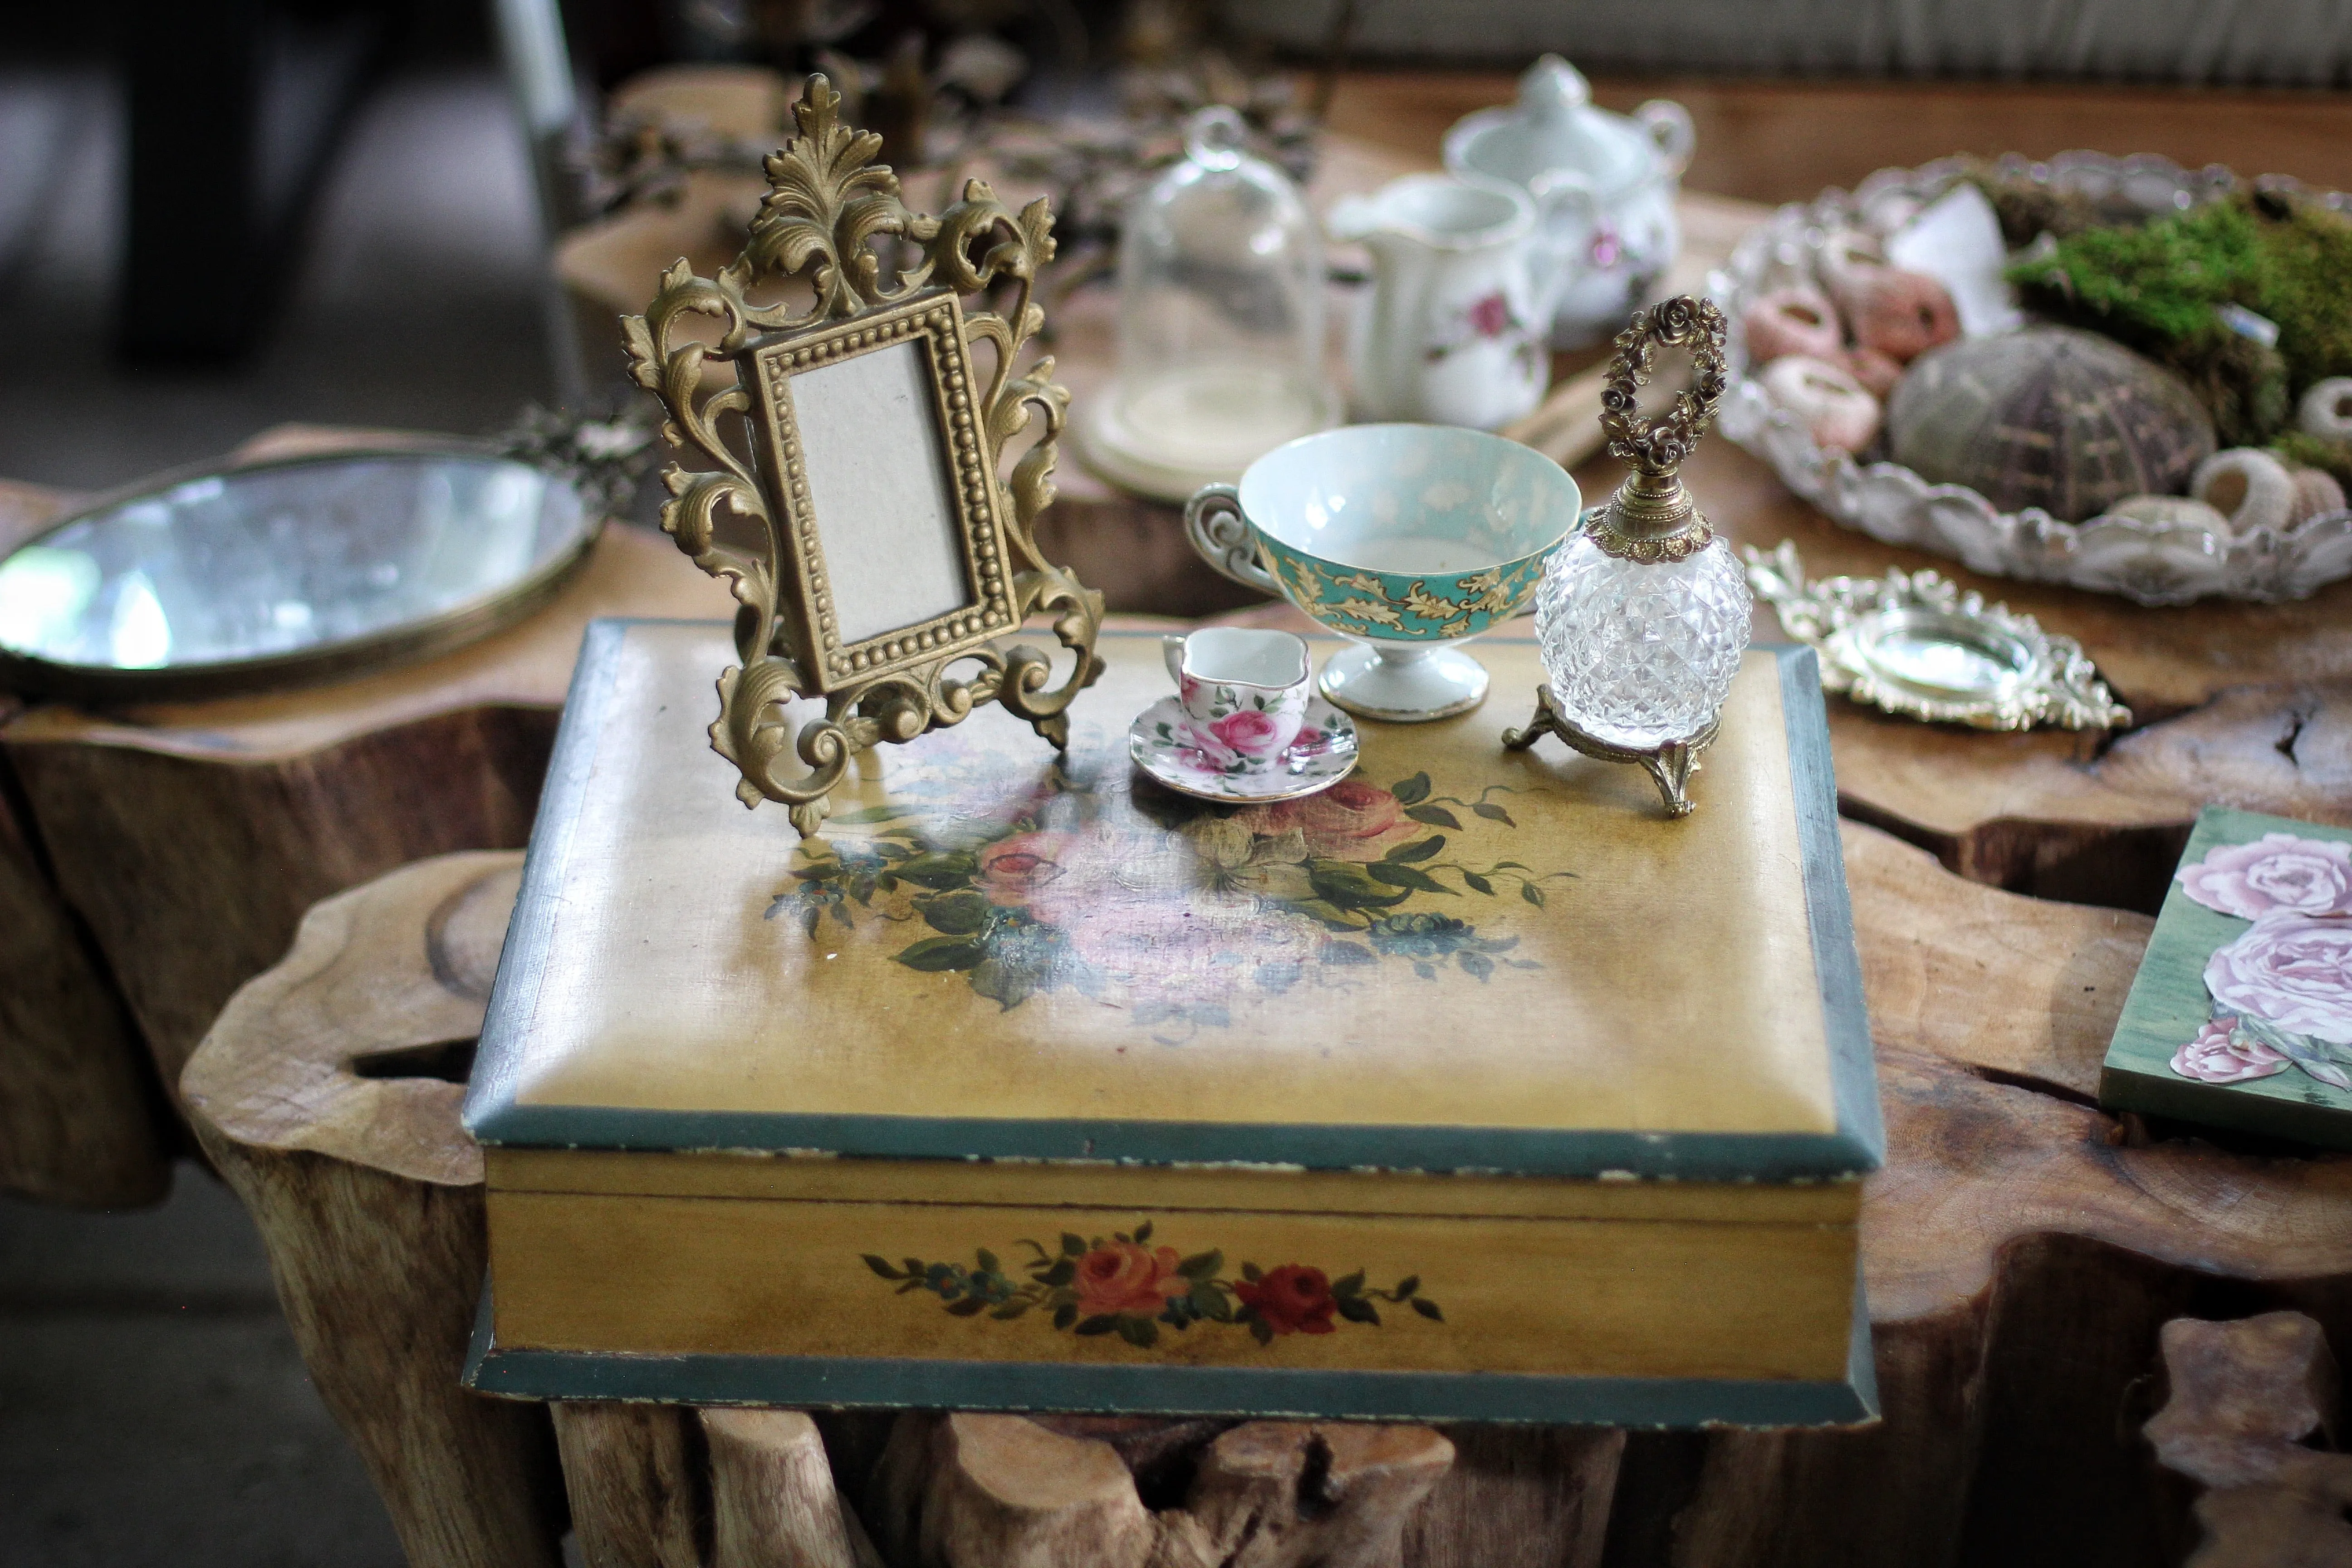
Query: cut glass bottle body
x=1639 y=656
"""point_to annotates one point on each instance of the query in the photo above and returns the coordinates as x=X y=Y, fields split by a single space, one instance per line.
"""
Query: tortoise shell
x=2051 y=417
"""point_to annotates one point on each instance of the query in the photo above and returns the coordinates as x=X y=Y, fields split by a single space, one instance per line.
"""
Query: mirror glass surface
x=1946 y=653
x=283 y=560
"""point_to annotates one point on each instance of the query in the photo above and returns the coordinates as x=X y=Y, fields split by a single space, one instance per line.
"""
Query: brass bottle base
x=1669 y=765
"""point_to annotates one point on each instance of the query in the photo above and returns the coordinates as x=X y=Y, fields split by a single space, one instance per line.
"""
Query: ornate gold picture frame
x=853 y=499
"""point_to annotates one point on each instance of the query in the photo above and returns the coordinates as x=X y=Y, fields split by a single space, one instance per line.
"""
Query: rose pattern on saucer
x=2282 y=991
x=1240 y=754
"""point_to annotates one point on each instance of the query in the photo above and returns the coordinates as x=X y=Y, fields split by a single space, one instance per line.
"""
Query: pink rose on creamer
x=1248 y=732
x=2280 y=871
x=2292 y=970
x=2213 y=1058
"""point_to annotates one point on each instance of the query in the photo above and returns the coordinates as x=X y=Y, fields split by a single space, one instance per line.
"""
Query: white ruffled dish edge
x=2152 y=563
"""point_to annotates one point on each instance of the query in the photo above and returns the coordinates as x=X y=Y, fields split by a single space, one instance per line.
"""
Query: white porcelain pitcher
x=1455 y=332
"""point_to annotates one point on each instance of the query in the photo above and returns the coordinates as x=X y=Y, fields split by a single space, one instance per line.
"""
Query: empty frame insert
x=886 y=489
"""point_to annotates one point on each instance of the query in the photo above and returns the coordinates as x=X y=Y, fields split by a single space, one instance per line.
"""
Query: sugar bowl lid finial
x=1652 y=517
x=1553 y=89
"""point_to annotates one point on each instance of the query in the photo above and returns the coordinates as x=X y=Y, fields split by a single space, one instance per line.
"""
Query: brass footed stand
x=1669 y=766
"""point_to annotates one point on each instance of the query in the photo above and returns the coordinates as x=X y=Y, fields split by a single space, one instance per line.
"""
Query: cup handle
x=1214 y=522
x=1172 y=650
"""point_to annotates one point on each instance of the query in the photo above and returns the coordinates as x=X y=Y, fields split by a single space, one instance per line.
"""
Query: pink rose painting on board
x=2280 y=871
x=2282 y=990
x=2213 y=1056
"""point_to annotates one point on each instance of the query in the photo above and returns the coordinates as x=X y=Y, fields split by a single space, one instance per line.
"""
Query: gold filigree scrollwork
x=828 y=204
x=1651 y=518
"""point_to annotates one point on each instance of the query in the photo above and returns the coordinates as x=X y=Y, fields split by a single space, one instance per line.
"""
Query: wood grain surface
x=81 y=1117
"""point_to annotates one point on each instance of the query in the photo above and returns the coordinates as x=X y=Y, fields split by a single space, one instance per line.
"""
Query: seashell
x=1797 y=320
x=2315 y=491
x=2174 y=510
x=1875 y=371
x=2327 y=409
x=2248 y=486
x=2050 y=417
x=1848 y=259
x=1902 y=314
x=1837 y=409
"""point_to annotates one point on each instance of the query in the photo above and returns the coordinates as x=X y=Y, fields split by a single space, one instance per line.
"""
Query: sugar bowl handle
x=1214 y=523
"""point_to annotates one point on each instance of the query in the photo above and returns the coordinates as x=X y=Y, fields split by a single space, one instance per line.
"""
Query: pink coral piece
x=1902 y=314
x=1878 y=372
x=1793 y=321
x=2213 y=1056
x=1839 y=411
x=2290 y=970
x=2278 y=871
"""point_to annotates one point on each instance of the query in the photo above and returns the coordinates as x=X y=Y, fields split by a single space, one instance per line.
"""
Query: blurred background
x=220 y=216
x=217 y=217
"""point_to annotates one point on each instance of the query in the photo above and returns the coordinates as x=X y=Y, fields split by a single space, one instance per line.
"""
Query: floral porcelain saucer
x=1192 y=759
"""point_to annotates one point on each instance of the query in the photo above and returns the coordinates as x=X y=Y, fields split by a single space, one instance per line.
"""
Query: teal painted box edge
x=1267 y=1393
x=2287 y=1106
x=1857 y=1144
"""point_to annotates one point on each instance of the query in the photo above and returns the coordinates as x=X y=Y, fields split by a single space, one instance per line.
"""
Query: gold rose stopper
x=1652 y=517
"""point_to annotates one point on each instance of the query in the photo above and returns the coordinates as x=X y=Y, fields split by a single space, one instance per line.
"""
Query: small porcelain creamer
x=1603 y=185
x=1454 y=333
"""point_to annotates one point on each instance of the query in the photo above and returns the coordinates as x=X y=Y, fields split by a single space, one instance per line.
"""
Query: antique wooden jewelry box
x=1469 y=1088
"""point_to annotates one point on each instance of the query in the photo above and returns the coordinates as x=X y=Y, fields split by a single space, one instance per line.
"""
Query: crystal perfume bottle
x=1644 y=615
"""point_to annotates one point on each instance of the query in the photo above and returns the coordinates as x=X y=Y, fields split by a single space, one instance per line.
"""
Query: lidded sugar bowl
x=1604 y=185
x=1221 y=333
x=1645 y=615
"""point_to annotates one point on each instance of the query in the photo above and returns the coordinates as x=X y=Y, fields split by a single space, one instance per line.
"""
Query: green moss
x=2333 y=457
x=2156 y=288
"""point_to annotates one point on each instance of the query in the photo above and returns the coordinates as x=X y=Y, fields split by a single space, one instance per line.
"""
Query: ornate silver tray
x=2153 y=563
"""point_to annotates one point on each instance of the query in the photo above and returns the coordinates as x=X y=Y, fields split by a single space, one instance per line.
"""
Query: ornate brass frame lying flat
x=826 y=205
x=1915 y=645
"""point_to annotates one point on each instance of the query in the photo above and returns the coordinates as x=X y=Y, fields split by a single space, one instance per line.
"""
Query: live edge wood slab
x=79 y=1105
x=2021 y=1250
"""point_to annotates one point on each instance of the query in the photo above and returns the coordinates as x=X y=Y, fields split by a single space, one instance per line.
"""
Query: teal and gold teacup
x=1404 y=538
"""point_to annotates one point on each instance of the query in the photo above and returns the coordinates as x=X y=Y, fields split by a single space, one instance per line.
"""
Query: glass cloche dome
x=1220 y=322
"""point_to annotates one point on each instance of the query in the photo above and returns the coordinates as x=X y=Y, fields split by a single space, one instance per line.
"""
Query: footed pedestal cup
x=1407 y=540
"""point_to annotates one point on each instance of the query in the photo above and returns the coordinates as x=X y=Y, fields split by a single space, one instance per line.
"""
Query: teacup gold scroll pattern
x=1392 y=604
x=1123 y=1285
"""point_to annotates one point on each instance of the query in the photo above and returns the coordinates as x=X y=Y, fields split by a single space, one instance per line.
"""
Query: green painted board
x=2240 y=1015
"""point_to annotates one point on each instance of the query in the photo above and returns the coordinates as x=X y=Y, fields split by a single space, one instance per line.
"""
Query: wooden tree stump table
x=188 y=838
x=2022 y=1252
x=80 y=1106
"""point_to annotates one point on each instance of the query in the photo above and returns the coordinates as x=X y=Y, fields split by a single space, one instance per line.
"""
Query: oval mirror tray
x=282 y=574
x=1913 y=643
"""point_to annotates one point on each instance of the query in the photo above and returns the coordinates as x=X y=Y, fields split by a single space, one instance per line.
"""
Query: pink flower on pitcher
x=2214 y=1057
x=2293 y=971
x=2281 y=871
x=1489 y=317
x=1249 y=732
